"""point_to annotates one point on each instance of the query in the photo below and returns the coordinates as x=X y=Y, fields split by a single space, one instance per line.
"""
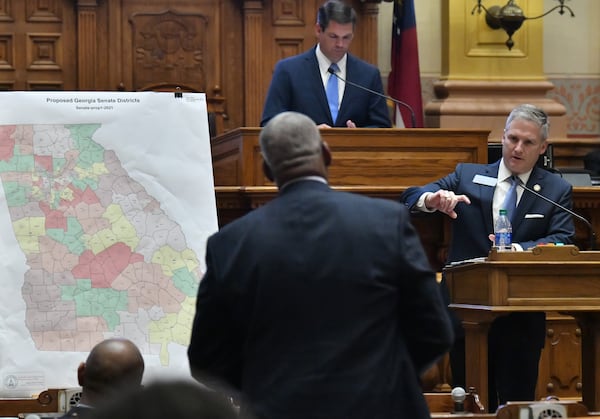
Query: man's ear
x=81 y=374
x=267 y=171
x=326 y=153
x=318 y=29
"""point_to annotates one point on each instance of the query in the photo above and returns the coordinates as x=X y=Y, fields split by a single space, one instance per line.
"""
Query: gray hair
x=289 y=140
x=530 y=113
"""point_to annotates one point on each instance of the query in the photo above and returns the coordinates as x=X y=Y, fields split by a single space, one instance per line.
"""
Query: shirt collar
x=303 y=178
x=324 y=63
x=504 y=173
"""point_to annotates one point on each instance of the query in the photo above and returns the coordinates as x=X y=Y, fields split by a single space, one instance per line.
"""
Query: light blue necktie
x=510 y=200
x=332 y=92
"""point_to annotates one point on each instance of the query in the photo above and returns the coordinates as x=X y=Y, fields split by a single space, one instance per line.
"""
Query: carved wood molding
x=86 y=43
x=170 y=47
x=253 y=46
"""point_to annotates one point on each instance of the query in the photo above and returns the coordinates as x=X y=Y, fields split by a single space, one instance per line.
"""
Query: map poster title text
x=91 y=101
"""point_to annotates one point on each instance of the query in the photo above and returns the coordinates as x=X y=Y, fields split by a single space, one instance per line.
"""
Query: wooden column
x=253 y=62
x=367 y=28
x=482 y=80
x=86 y=44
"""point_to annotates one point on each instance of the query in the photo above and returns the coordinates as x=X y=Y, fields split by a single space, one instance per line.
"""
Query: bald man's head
x=111 y=365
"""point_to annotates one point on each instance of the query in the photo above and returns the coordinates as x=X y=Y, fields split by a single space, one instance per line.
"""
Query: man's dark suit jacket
x=535 y=221
x=297 y=86
x=81 y=412
x=320 y=304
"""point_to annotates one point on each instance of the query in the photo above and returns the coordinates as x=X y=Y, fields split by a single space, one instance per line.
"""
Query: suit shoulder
x=473 y=166
x=290 y=62
x=554 y=179
x=359 y=63
x=250 y=219
x=467 y=169
x=368 y=202
x=76 y=412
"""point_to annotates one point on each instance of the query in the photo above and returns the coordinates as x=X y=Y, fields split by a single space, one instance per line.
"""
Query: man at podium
x=313 y=83
x=472 y=196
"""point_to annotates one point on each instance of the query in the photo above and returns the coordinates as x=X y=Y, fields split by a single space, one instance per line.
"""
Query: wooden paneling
x=560 y=365
x=36 y=43
x=569 y=152
x=226 y=48
x=178 y=42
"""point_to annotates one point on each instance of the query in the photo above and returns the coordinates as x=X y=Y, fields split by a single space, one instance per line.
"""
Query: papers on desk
x=465 y=261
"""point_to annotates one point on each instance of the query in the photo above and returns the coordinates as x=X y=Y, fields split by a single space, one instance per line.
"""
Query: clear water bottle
x=503 y=232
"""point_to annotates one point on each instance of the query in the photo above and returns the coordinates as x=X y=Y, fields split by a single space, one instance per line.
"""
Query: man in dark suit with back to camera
x=472 y=196
x=319 y=304
x=300 y=82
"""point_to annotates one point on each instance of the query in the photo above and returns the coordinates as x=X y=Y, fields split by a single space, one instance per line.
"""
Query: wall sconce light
x=510 y=17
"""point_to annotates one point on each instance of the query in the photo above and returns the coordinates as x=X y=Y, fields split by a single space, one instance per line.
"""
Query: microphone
x=574 y=214
x=396 y=101
x=458 y=395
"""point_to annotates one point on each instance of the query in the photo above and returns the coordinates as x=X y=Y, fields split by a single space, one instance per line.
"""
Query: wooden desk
x=46 y=402
x=560 y=279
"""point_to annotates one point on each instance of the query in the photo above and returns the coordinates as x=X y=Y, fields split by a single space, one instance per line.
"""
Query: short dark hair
x=337 y=11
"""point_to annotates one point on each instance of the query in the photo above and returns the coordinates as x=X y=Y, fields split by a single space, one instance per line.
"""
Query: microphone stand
x=574 y=214
x=396 y=101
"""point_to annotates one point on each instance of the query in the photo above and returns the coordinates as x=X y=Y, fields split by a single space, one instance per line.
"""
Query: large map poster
x=106 y=202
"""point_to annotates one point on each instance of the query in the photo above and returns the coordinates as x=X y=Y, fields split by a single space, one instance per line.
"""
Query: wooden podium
x=361 y=156
x=546 y=278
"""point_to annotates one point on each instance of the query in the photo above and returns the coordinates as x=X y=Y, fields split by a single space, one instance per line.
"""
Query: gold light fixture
x=510 y=16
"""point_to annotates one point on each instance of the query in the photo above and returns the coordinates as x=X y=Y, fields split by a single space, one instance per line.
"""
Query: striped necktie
x=332 y=92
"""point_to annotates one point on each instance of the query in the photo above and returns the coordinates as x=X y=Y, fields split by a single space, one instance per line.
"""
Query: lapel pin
x=537 y=187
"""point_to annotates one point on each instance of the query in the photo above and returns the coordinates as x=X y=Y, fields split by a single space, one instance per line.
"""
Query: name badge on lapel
x=485 y=180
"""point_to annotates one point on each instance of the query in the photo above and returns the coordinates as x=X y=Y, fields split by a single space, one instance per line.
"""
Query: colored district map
x=103 y=258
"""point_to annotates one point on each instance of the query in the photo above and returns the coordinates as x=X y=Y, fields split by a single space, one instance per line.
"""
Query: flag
x=404 y=81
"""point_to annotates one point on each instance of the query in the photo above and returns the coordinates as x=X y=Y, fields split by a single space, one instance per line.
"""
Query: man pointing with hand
x=472 y=196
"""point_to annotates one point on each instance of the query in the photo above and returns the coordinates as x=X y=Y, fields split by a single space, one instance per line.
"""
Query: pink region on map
x=56 y=257
x=45 y=162
x=104 y=267
x=54 y=218
x=147 y=286
x=7 y=143
x=86 y=196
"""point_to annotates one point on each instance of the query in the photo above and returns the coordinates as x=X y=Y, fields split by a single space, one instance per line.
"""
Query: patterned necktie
x=332 y=92
x=510 y=200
